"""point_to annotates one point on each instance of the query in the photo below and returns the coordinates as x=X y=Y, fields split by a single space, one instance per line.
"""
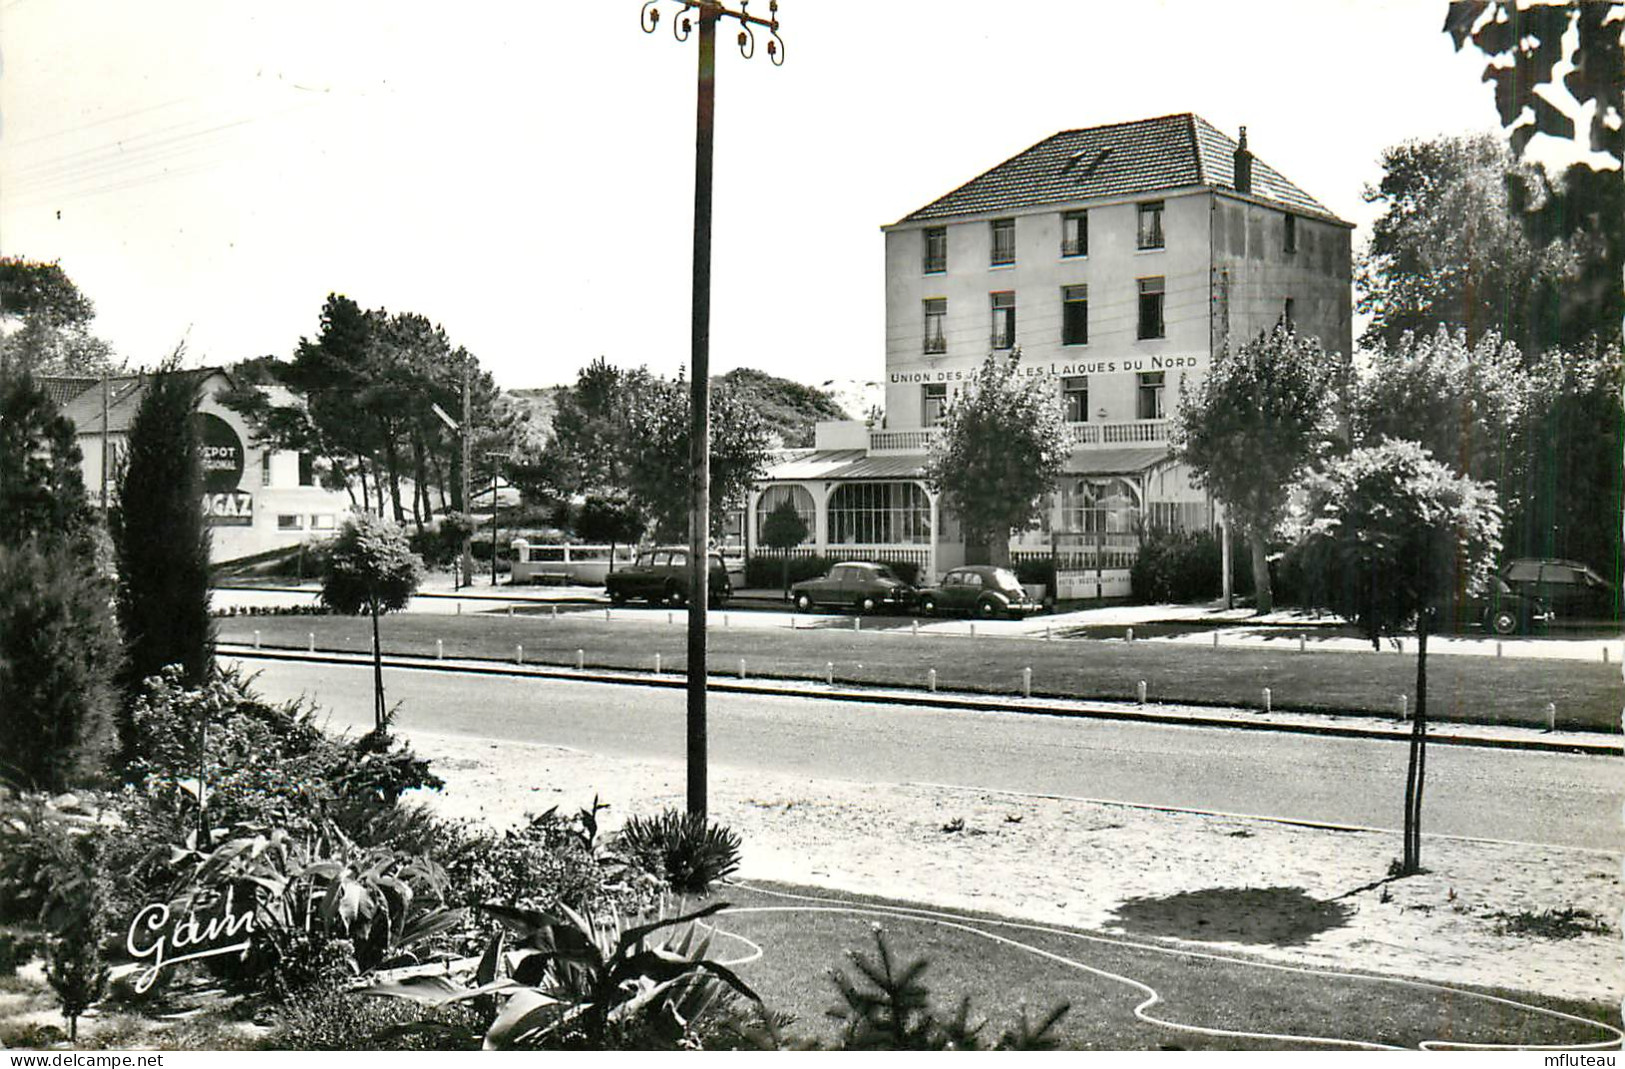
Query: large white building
x=256 y=499
x=1117 y=259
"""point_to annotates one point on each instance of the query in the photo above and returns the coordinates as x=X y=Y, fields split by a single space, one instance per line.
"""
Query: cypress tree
x=163 y=543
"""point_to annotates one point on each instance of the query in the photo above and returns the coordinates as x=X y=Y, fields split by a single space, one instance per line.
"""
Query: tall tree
x=609 y=519
x=1251 y=427
x=161 y=537
x=42 y=491
x=654 y=459
x=371 y=568
x=45 y=322
x=59 y=646
x=1450 y=249
x=784 y=530
x=999 y=453
x=1389 y=537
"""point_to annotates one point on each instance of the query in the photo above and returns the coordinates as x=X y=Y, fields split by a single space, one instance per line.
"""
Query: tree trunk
x=1263 y=596
x=338 y=467
x=440 y=478
x=366 y=492
x=377 y=670
x=998 y=549
x=392 y=463
x=420 y=493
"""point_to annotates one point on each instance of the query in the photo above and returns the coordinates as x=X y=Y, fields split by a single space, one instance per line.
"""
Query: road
x=1556 y=799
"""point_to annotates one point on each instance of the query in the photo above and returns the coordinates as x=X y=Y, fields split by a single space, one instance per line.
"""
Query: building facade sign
x=222 y=452
x=234 y=509
x=1063 y=369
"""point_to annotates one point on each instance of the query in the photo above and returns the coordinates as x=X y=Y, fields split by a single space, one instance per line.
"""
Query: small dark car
x=980 y=589
x=1575 y=593
x=1505 y=611
x=660 y=577
x=862 y=586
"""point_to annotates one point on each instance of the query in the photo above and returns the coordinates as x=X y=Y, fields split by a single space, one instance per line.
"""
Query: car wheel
x=866 y=604
x=675 y=596
x=1504 y=622
x=928 y=606
x=719 y=601
x=987 y=609
x=617 y=597
x=804 y=602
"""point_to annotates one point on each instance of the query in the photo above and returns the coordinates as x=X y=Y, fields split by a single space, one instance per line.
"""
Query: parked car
x=980 y=589
x=1504 y=611
x=863 y=586
x=660 y=577
x=1574 y=592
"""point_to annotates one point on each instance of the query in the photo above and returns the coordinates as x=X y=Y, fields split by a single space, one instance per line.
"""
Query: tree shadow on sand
x=1275 y=916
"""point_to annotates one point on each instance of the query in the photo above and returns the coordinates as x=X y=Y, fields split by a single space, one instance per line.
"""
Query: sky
x=522 y=174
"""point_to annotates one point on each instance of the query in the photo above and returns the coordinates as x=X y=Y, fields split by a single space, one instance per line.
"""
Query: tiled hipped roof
x=1125 y=159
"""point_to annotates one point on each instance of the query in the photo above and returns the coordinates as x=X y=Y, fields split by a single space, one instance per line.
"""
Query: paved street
x=1500 y=794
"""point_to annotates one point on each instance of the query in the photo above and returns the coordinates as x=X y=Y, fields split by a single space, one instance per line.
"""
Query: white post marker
x=606 y=613
x=310 y=642
x=1302 y=644
x=1141 y=691
x=256 y=640
x=1605 y=655
x=1266 y=699
x=1215 y=639
x=439 y=649
x=1046 y=632
x=931 y=681
x=459 y=608
x=741 y=668
x=829 y=673
x=1404 y=707
x=1498 y=649
x=657 y=664
x=1026 y=682
x=857 y=623
x=1551 y=716
x=914 y=629
x=555 y=612
x=725 y=620
x=510 y=612
x=581 y=660
x=792 y=621
x=973 y=629
x=519 y=655
x=1131 y=634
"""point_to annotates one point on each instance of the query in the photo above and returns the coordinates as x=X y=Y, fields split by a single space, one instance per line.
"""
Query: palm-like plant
x=571 y=980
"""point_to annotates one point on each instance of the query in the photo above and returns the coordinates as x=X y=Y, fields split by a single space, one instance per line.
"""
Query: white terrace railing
x=1117 y=432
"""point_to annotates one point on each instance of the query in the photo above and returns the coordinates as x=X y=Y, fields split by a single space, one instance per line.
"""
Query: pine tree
x=163 y=544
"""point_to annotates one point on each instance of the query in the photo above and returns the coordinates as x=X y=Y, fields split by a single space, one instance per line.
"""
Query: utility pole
x=699 y=519
x=105 y=399
x=468 y=535
x=493 y=457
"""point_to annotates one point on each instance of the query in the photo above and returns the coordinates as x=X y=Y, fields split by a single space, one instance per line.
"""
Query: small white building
x=257 y=499
x=1117 y=260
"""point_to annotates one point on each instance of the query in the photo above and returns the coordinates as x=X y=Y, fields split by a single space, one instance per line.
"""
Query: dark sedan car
x=1505 y=611
x=862 y=586
x=980 y=589
x=1575 y=593
x=660 y=576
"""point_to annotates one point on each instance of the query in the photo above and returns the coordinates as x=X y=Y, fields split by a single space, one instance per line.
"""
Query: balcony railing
x=915 y=441
x=1121 y=432
x=937 y=344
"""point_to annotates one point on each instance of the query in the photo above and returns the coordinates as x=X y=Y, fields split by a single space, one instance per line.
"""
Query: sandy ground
x=1219 y=883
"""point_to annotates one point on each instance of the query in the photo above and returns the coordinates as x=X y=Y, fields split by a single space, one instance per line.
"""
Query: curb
x=1525 y=739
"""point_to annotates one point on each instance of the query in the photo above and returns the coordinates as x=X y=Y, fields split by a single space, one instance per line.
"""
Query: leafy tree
x=42 y=491
x=1450 y=250
x=784 y=530
x=50 y=321
x=59 y=653
x=1391 y=536
x=655 y=461
x=590 y=425
x=1530 y=37
x=608 y=519
x=1000 y=450
x=790 y=409
x=371 y=568
x=161 y=539
x=1251 y=427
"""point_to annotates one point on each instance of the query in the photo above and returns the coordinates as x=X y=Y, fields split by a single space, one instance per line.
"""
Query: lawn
x=1472 y=689
x=1006 y=968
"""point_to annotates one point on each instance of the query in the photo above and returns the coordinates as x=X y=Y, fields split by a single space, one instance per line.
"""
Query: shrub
x=442 y=543
x=686 y=848
x=1040 y=571
x=336 y=1020
x=74 y=967
x=1177 y=566
x=59 y=653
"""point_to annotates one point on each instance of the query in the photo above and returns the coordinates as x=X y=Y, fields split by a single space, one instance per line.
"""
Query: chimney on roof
x=1244 y=165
